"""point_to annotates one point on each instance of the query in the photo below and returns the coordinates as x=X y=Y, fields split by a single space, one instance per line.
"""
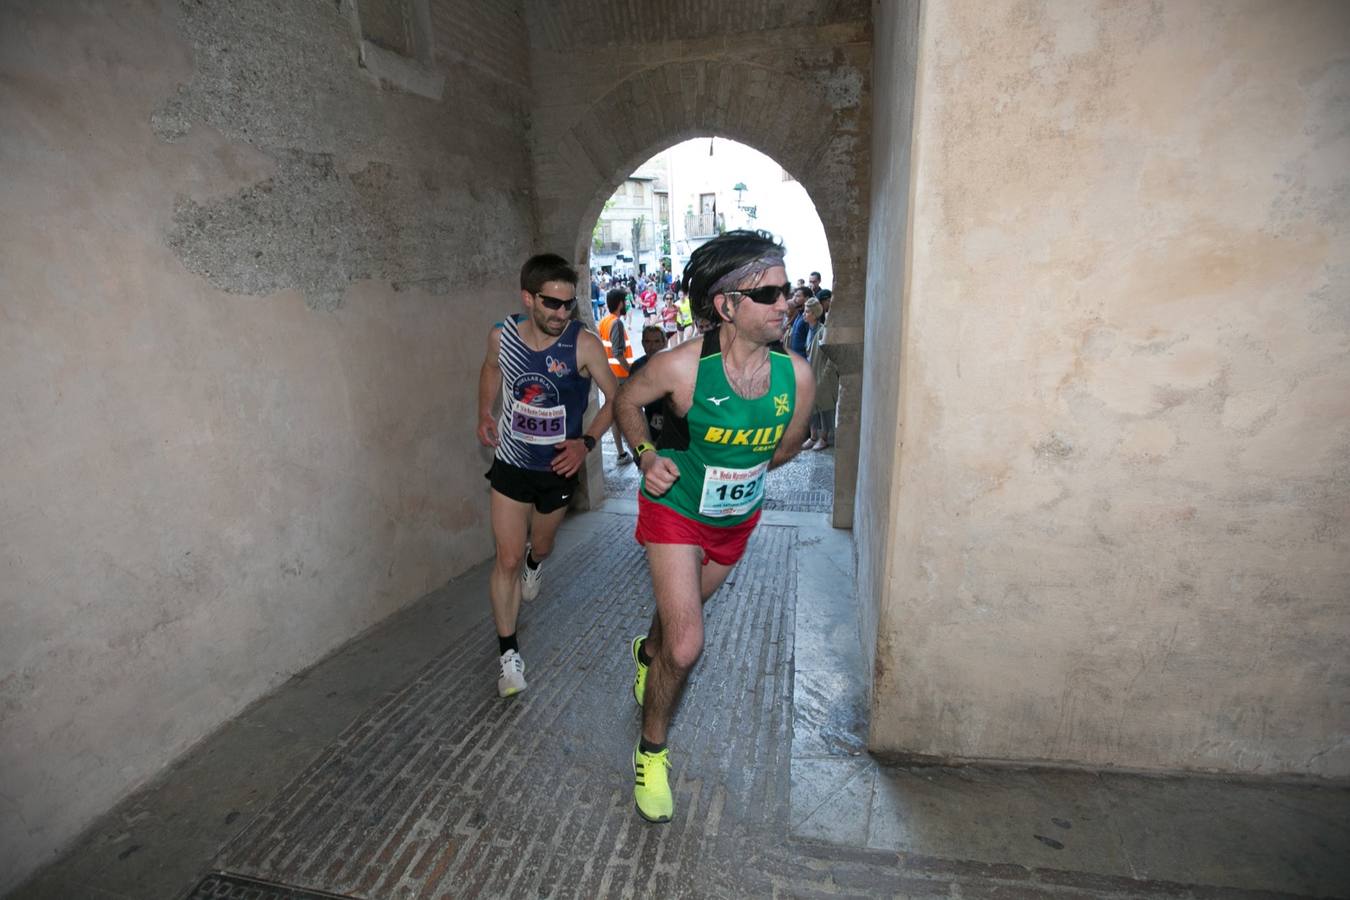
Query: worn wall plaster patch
x=315 y=229
x=369 y=184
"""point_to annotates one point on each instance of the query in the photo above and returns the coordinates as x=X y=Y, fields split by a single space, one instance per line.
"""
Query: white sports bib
x=731 y=492
x=539 y=424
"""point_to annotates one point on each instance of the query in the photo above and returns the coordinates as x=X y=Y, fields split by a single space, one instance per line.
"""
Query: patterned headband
x=729 y=281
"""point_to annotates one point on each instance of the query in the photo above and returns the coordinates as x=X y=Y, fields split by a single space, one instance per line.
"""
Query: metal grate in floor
x=222 y=886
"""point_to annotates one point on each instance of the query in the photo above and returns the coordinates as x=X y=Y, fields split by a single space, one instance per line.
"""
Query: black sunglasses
x=556 y=302
x=767 y=294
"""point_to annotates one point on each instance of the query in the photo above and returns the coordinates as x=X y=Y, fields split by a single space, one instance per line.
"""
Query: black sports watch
x=589 y=442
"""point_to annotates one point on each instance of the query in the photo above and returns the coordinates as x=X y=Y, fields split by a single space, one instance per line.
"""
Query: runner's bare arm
x=791 y=444
x=650 y=382
x=590 y=361
x=591 y=354
x=489 y=383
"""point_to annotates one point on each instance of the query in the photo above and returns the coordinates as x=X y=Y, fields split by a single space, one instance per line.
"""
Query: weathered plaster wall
x=243 y=297
x=616 y=83
x=1119 y=522
x=895 y=30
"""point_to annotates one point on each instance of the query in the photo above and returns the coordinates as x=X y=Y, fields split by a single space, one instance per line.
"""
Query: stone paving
x=445 y=790
x=392 y=770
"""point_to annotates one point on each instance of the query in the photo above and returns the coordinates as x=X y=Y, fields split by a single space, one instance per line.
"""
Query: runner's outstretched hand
x=658 y=472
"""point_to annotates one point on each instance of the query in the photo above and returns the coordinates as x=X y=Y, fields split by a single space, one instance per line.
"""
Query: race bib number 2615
x=539 y=424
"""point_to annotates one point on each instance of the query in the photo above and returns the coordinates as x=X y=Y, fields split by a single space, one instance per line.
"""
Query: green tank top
x=724 y=443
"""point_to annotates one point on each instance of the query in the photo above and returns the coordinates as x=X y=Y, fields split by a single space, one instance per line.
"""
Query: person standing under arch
x=737 y=405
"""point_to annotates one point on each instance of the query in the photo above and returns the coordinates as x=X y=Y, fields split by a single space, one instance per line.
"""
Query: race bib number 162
x=731 y=492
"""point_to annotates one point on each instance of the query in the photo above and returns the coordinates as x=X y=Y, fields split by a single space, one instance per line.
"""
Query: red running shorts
x=723 y=544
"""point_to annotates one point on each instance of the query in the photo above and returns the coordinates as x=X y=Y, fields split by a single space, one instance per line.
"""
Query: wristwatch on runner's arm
x=589 y=442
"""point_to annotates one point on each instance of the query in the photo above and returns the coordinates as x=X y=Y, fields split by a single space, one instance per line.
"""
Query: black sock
x=647 y=746
x=530 y=561
x=507 y=643
x=642 y=653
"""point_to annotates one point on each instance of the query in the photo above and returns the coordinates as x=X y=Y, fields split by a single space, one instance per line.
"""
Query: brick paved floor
x=392 y=770
x=444 y=790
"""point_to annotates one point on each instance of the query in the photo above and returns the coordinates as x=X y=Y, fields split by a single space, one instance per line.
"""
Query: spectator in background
x=800 y=328
x=814 y=284
x=618 y=350
x=670 y=315
x=827 y=380
x=684 y=317
x=647 y=300
x=653 y=342
x=795 y=303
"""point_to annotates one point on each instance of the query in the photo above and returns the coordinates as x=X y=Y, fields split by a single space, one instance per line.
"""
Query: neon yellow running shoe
x=651 y=785
x=640 y=679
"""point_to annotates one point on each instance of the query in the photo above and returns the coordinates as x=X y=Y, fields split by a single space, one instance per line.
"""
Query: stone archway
x=814 y=124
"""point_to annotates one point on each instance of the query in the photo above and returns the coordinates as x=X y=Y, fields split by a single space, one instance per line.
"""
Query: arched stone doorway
x=815 y=126
x=669 y=197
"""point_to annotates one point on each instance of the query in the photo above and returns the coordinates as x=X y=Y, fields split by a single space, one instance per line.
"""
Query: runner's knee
x=681 y=651
x=510 y=559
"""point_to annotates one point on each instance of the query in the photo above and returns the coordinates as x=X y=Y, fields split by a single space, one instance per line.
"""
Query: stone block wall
x=245 y=285
x=895 y=60
x=1116 y=531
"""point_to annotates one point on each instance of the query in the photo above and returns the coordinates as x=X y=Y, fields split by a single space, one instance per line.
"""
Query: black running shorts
x=547 y=491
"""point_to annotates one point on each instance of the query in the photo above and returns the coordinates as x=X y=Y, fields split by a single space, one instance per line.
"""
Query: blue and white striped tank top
x=543 y=397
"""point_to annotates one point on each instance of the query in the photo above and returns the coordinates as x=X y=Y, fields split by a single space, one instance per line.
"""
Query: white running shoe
x=512 y=679
x=530 y=579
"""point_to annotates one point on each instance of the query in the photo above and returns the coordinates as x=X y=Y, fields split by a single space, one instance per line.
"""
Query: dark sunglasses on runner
x=766 y=294
x=556 y=302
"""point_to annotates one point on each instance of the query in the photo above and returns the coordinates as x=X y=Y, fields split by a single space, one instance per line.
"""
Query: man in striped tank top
x=541 y=364
x=736 y=405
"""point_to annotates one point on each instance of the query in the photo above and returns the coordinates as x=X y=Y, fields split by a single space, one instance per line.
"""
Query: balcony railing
x=704 y=224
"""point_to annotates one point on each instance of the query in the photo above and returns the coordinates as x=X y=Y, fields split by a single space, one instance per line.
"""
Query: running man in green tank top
x=736 y=405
